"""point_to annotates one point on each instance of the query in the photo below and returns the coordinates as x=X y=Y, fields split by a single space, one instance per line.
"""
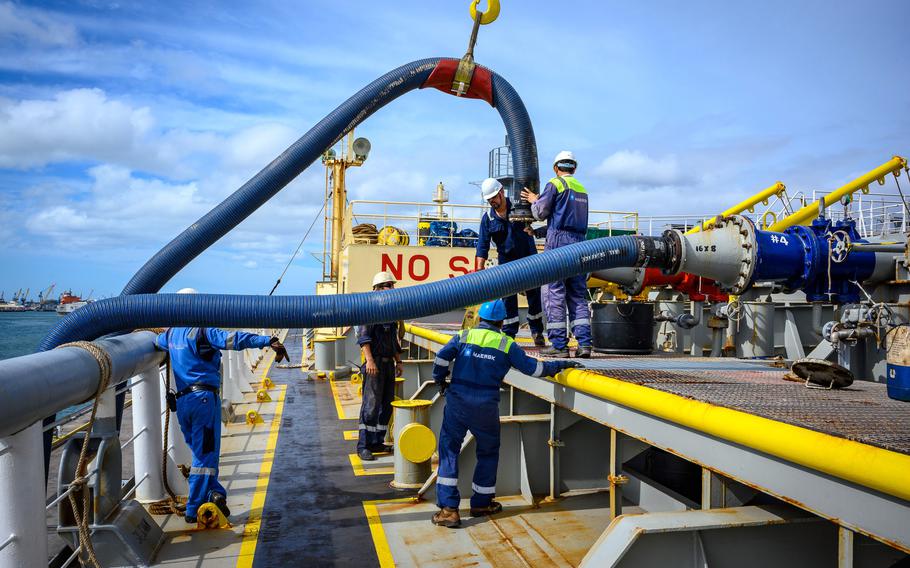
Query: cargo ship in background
x=69 y=303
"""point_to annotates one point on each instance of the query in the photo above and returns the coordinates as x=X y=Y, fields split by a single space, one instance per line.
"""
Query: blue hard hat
x=492 y=311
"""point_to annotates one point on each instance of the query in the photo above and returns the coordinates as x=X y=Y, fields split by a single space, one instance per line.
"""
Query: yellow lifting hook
x=465 y=70
x=487 y=17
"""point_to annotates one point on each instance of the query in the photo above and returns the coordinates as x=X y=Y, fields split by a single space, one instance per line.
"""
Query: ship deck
x=300 y=496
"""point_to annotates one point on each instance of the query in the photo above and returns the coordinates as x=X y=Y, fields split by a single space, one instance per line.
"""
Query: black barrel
x=623 y=328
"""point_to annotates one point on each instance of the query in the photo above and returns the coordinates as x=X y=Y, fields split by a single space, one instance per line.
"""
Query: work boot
x=380 y=449
x=190 y=520
x=447 y=517
x=539 y=340
x=366 y=455
x=553 y=351
x=583 y=352
x=491 y=509
x=220 y=501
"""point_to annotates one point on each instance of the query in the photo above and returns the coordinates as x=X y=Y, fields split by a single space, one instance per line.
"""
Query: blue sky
x=121 y=123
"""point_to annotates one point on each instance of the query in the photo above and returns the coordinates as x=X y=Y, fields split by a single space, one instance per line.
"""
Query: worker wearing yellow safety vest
x=563 y=204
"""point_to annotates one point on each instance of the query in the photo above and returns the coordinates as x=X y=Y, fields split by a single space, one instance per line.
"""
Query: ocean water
x=21 y=332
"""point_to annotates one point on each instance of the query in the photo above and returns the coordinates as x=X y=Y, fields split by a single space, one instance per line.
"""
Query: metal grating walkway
x=862 y=412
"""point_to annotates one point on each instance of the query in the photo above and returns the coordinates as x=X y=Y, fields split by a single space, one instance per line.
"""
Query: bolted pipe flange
x=637 y=285
x=725 y=252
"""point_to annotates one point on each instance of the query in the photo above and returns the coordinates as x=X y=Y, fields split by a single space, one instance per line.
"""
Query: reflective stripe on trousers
x=477 y=411
x=376 y=406
x=199 y=416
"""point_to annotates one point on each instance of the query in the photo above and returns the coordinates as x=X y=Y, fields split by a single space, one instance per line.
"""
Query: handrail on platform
x=749 y=204
x=810 y=211
x=882 y=470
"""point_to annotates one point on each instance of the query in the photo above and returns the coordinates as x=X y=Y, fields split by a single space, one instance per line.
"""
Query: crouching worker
x=482 y=356
x=381 y=347
x=195 y=354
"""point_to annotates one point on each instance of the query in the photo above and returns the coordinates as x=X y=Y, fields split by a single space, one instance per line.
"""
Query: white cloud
x=76 y=124
x=85 y=124
x=636 y=169
x=119 y=208
x=120 y=215
x=32 y=26
x=258 y=145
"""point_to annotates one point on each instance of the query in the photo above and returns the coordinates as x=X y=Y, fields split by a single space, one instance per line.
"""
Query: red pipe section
x=697 y=288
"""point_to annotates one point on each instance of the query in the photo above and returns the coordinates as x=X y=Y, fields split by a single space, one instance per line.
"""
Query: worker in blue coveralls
x=195 y=354
x=380 y=344
x=479 y=359
x=512 y=243
x=563 y=204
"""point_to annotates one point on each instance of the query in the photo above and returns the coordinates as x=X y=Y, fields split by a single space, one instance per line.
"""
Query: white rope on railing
x=130 y=493
x=133 y=438
x=72 y=557
x=59 y=498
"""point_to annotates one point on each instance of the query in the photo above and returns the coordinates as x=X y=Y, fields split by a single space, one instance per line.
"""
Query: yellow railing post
x=810 y=211
x=761 y=197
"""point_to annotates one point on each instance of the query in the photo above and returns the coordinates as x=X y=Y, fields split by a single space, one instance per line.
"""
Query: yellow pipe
x=761 y=197
x=810 y=211
x=435 y=336
x=865 y=465
x=882 y=470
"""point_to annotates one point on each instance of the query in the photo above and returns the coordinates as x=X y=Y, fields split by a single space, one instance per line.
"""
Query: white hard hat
x=382 y=278
x=187 y=291
x=565 y=156
x=489 y=188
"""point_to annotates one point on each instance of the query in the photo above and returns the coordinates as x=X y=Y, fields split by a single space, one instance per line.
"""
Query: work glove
x=443 y=385
x=568 y=365
x=280 y=352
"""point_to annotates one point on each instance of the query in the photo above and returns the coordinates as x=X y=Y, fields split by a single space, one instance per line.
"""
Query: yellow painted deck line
x=383 y=553
x=357 y=466
x=251 y=528
x=338 y=407
x=351 y=434
x=268 y=367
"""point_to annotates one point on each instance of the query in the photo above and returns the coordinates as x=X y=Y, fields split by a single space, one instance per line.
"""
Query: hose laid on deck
x=128 y=312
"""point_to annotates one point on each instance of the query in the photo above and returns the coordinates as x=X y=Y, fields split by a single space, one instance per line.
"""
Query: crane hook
x=487 y=17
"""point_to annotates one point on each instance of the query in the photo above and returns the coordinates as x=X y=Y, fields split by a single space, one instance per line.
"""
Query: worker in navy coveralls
x=512 y=243
x=479 y=359
x=563 y=204
x=195 y=354
x=380 y=344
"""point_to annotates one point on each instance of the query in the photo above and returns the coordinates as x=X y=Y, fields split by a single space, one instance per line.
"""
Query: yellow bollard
x=267 y=383
x=415 y=443
x=253 y=417
x=262 y=395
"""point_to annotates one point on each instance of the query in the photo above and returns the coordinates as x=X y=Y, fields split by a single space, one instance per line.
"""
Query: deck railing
x=42 y=384
x=407 y=215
